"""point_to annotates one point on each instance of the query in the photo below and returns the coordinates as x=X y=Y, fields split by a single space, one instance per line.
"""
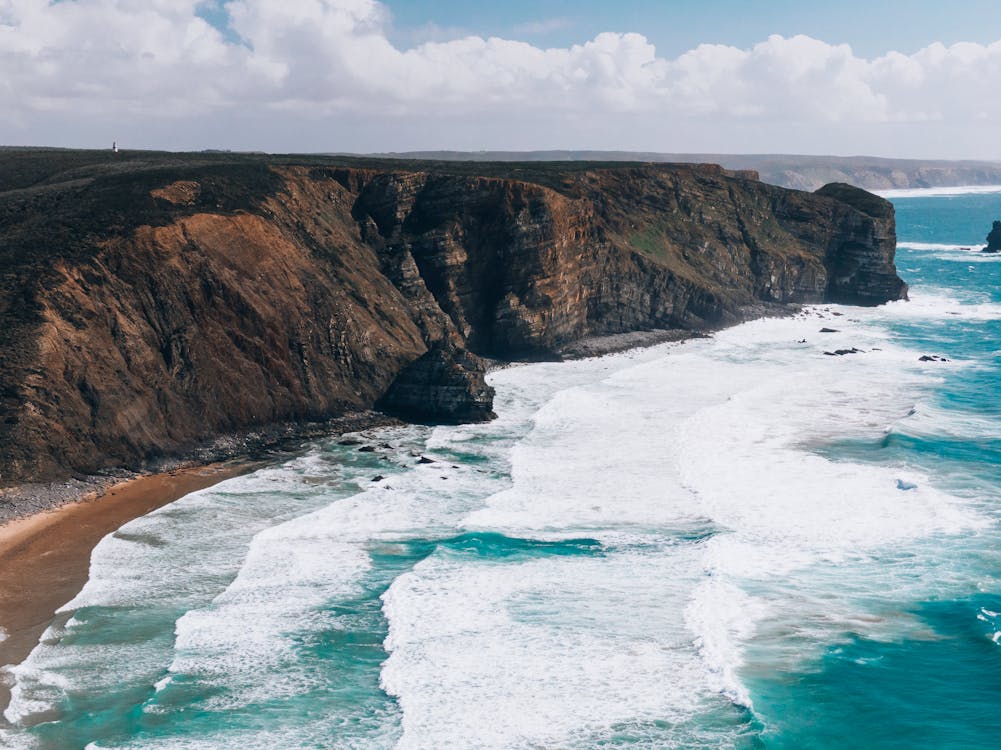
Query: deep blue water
x=729 y=543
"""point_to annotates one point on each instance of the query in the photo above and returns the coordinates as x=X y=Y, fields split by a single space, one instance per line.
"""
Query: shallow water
x=736 y=542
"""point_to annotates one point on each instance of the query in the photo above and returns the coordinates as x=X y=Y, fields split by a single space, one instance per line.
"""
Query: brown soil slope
x=150 y=302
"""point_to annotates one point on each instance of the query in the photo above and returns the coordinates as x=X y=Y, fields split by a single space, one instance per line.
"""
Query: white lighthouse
x=114 y=147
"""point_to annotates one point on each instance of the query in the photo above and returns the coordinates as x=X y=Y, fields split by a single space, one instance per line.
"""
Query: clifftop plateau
x=151 y=302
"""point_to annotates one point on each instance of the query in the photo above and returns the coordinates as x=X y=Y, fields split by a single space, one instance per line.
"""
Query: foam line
x=939 y=192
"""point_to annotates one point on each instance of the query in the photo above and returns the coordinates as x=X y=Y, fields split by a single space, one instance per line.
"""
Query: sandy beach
x=45 y=558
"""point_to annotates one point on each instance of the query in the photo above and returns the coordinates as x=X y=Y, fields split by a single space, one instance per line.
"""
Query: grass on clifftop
x=22 y=168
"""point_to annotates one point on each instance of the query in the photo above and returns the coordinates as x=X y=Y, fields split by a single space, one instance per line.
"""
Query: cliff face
x=150 y=307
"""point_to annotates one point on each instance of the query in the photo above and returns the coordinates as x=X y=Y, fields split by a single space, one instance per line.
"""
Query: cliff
x=151 y=302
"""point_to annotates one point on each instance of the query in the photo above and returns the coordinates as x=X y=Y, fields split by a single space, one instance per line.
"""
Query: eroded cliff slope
x=154 y=302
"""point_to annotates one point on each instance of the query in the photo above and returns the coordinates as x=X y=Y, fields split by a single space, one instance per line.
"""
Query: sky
x=906 y=79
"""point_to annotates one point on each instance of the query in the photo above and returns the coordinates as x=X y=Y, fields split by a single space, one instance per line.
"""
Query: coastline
x=50 y=546
x=612 y=343
x=45 y=557
x=48 y=531
x=262 y=443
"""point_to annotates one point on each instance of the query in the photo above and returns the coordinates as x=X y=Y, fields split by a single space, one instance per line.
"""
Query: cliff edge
x=151 y=302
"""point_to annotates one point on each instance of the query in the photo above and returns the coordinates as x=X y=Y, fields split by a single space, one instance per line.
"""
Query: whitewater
x=740 y=541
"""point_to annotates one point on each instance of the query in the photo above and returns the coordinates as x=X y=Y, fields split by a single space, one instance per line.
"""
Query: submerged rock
x=843 y=352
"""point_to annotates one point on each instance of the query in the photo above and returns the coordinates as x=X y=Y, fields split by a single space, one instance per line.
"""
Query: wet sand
x=45 y=558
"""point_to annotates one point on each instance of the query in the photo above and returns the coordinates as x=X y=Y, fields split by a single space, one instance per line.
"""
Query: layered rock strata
x=152 y=305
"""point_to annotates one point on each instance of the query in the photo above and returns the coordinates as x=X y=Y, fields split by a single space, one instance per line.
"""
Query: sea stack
x=994 y=239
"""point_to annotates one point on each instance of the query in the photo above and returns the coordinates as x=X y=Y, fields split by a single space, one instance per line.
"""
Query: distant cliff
x=150 y=302
x=800 y=172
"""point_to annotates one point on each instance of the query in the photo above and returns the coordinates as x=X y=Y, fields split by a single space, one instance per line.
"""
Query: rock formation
x=152 y=304
x=447 y=384
x=994 y=239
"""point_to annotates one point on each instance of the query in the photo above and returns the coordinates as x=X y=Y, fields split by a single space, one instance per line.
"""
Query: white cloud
x=323 y=74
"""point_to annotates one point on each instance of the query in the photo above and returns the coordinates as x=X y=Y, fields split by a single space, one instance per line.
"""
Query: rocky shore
x=250 y=447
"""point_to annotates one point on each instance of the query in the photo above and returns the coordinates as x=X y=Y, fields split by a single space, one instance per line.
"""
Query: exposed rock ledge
x=153 y=304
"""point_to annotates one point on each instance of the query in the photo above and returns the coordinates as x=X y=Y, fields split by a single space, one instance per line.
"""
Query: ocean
x=734 y=542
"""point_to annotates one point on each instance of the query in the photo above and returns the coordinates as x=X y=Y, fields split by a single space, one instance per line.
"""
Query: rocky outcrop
x=152 y=305
x=447 y=384
x=994 y=239
x=860 y=257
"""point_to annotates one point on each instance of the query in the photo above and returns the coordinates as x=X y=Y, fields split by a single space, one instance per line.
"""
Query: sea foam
x=716 y=434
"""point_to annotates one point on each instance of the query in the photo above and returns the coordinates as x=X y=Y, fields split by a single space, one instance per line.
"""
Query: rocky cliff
x=150 y=302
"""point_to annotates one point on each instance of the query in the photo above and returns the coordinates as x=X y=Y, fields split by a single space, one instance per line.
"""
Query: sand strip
x=45 y=558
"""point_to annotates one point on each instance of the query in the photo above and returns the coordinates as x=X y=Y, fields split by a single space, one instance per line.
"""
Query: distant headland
x=786 y=170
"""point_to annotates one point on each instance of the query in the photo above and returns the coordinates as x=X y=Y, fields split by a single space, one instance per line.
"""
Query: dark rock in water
x=426 y=460
x=386 y=446
x=994 y=239
x=843 y=352
x=445 y=385
x=349 y=441
x=931 y=358
x=829 y=330
x=367 y=449
x=378 y=478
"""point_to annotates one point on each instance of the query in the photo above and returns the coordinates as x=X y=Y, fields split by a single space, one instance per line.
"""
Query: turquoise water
x=939 y=687
x=728 y=543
